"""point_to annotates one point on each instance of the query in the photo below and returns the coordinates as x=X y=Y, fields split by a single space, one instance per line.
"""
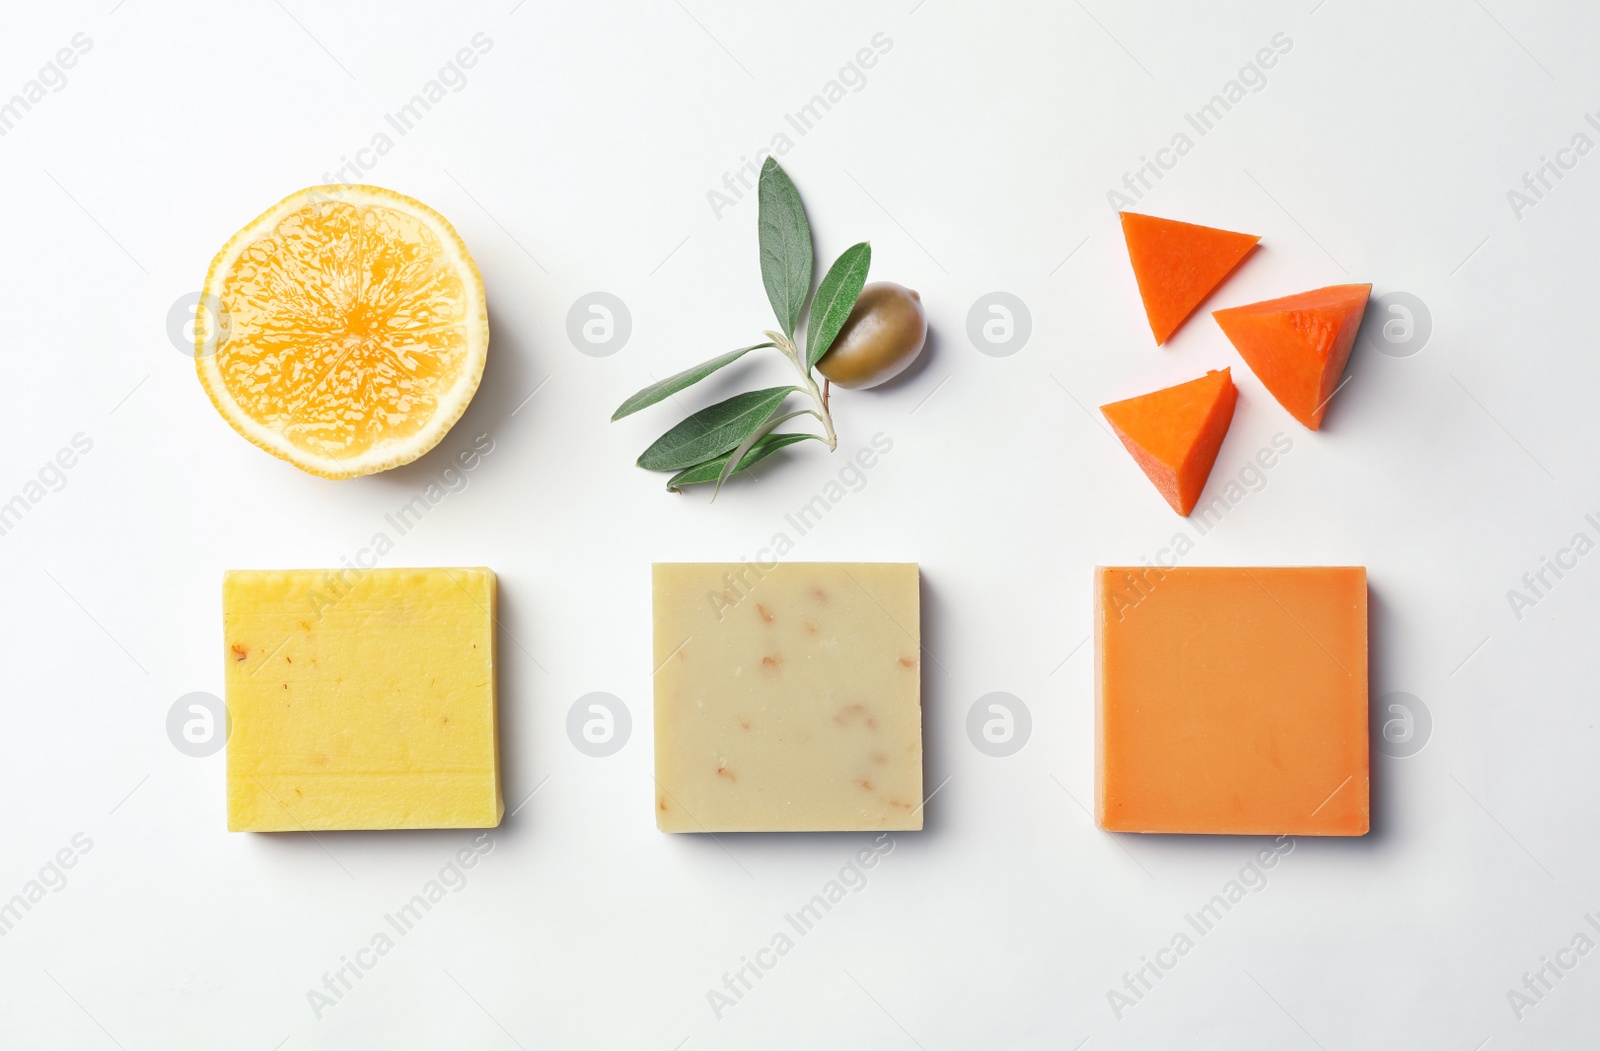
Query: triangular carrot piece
x=1178 y=264
x=1298 y=345
x=1175 y=433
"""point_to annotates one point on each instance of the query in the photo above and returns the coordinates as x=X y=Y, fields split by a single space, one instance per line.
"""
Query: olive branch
x=721 y=440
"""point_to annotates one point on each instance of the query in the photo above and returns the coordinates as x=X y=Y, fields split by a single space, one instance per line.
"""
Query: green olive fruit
x=883 y=335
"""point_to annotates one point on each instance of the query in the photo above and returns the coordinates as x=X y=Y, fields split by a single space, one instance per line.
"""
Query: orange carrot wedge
x=1174 y=434
x=1298 y=345
x=1178 y=264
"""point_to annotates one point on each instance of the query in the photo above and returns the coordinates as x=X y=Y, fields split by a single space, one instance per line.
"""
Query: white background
x=977 y=157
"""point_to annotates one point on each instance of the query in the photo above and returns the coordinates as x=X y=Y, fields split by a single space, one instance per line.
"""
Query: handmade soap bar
x=787 y=698
x=1231 y=700
x=361 y=699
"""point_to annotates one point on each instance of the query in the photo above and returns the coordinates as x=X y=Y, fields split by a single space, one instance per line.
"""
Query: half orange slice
x=344 y=330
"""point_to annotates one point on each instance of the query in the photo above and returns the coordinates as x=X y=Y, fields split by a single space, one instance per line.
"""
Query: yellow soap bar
x=788 y=697
x=361 y=699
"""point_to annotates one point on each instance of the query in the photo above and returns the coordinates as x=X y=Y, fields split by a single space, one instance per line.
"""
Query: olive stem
x=789 y=350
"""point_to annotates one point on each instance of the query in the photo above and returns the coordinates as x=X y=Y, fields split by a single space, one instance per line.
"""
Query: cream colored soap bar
x=788 y=699
x=361 y=699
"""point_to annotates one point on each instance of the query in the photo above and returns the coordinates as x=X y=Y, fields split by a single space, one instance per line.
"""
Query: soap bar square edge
x=1302 y=710
x=346 y=768
x=769 y=716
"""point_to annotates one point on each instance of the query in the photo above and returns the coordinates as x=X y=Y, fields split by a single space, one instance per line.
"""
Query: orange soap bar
x=1231 y=700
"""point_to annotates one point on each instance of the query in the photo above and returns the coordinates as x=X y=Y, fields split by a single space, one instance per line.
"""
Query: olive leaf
x=786 y=256
x=771 y=424
x=713 y=430
x=836 y=296
x=674 y=383
x=721 y=440
x=711 y=470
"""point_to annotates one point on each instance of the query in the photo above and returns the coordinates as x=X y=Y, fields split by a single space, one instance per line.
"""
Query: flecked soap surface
x=361 y=699
x=788 y=698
